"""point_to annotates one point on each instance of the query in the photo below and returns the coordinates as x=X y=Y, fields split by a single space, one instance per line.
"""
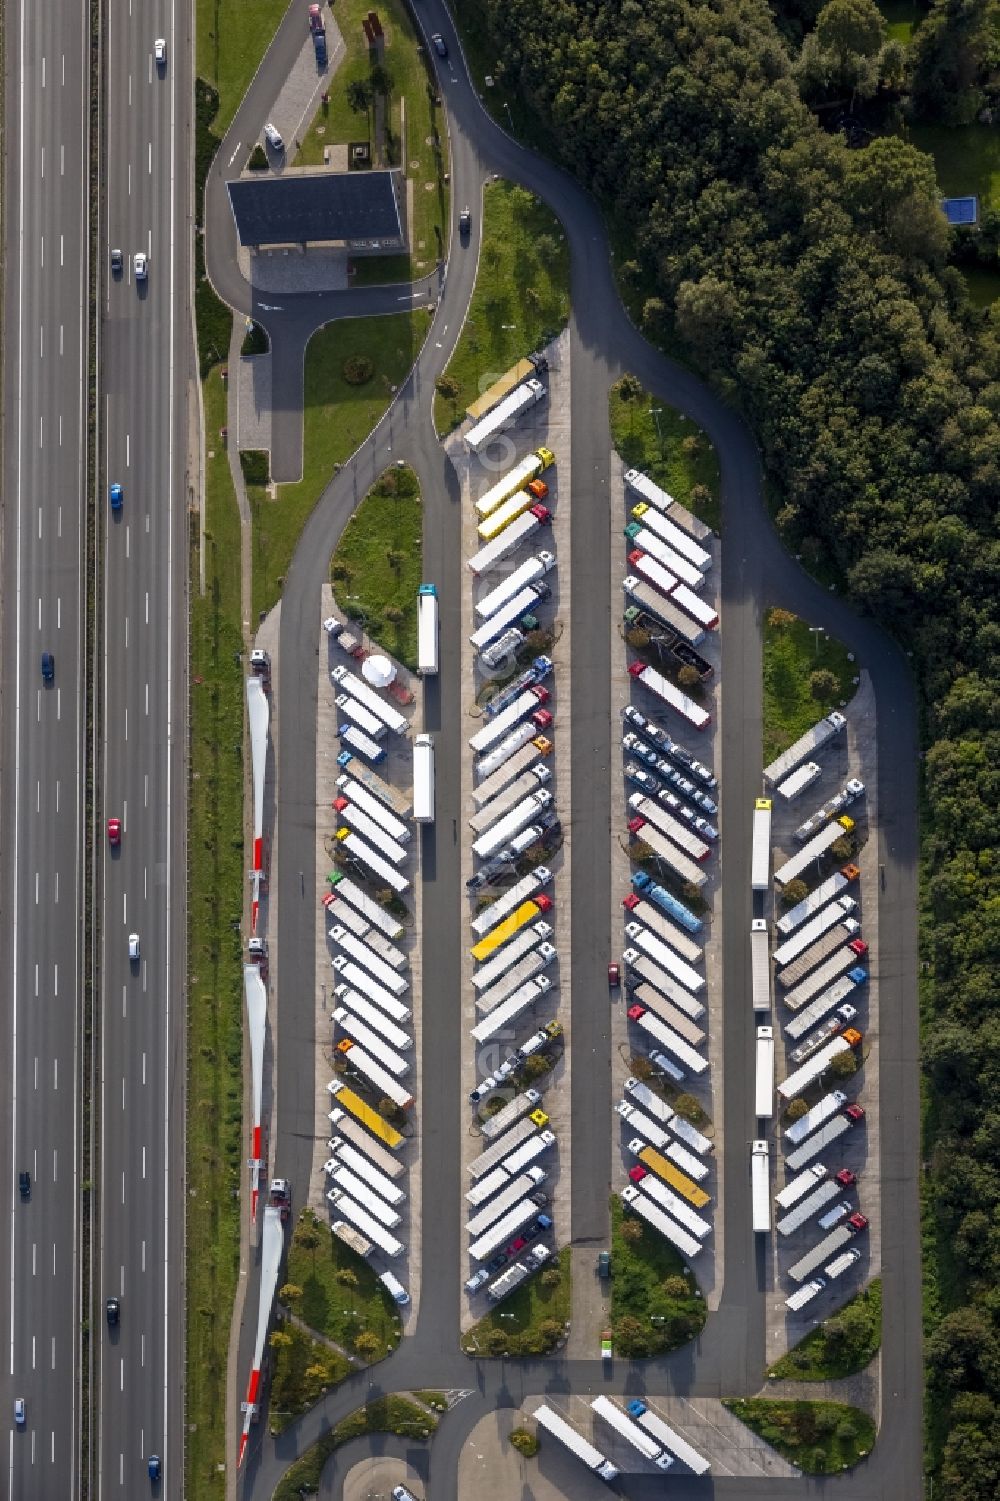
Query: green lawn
x=655 y=1304
x=844 y=1343
x=983 y=284
x=378 y=566
x=967 y=159
x=531 y=1321
x=792 y=654
x=901 y=17
x=667 y=446
x=392 y=1414
x=423 y=155
x=822 y=1438
x=302 y=1369
x=338 y=418
x=340 y=1309
x=521 y=299
x=232 y=37
x=215 y=1145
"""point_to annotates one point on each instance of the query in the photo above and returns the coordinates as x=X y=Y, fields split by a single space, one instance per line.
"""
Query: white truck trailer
x=524 y=1155
x=814 y=1259
x=363 y=852
x=494 y=730
x=811 y=1148
x=357 y=820
x=687 y=1244
x=491 y=812
x=522 y=1104
x=662 y=608
x=371 y=1042
x=691 y=1135
x=801 y=1185
x=687 y=1161
x=362 y=1194
x=348 y=787
x=353 y=975
x=531 y=571
x=801 y=778
x=794 y=867
x=817 y=925
x=653 y=812
x=764 y=1074
x=520 y=400
x=646 y=995
x=487 y=766
x=378 y=1076
x=427 y=630
x=644 y=539
x=384 y=973
x=674 y=536
x=672 y=696
x=423 y=779
x=536 y=880
x=824 y=1002
x=640 y=910
x=811 y=741
x=825 y=892
x=522 y=604
x=640 y=967
x=675 y=1206
x=648 y=1100
x=704 y=613
x=662 y=954
x=760 y=852
x=504 y=1015
x=813 y=1069
x=760 y=966
x=516 y=1189
x=679 y=1447
x=360 y=743
x=358 y=1162
x=348 y=708
x=637 y=1120
x=843 y=959
x=806 y=1208
x=366 y=1223
x=510 y=954
x=527 y=968
x=514 y=766
x=373 y=1015
x=816 y=1117
x=631 y=1432
x=840 y=1263
x=558 y=1427
x=653 y=572
x=760 y=1187
x=524 y=525
x=392 y=797
x=373 y=702
x=504 y=1145
x=664 y=849
x=686 y=1055
x=803 y=1295
x=490 y=1242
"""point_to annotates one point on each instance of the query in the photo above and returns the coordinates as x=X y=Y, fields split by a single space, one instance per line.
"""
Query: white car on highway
x=133 y=948
x=141 y=266
x=160 y=52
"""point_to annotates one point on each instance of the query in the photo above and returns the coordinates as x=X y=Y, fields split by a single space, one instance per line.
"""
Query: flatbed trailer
x=760 y=966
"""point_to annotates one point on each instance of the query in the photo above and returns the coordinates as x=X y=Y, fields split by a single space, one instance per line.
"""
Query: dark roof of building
x=961 y=210
x=315 y=207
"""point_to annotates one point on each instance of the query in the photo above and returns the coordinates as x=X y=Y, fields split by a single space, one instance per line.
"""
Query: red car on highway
x=114 y=832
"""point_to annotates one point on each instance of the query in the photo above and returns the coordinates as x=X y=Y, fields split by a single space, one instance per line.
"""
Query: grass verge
x=215 y=900
x=341 y=1296
x=423 y=154
x=806 y=674
x=377 y=567
x=821 y=1438
x=532 y=1320
x=843 y=1344
x=668 y=447
x=655 y=1302
x=338 y=418
x=302 y=1369
x=521 y=299
x=232 y=37
x=393 y=1414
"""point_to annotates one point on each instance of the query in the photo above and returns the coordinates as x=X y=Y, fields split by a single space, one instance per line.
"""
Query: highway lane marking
x=60 y=429
x=41 y=341
x=55 y=1164
x=145 y=887
x=58 y=612
x=121 y=1382
x=34 y=1259
x=55 y=1073
x=123 y=1094
x=43 y=72
x=59 y=522
x=125 y=815
x=144 y=1162
x=142 y=1353
x=126 y=633
x=126 y=724
x=123 y=1187
x=128 y=541
x=128 y=450
x=41 y=432
x=124 y=999
x=130 y=184
x=55 y=979
x=144 y=1069
x=235 y=153
x=143 y=1258
x=57 y=887
x=59 y=703
x=145 y=790
x=34 y=1354
x=147 y=606
x=125 y=909
x=60 y=351
x=38 y=797
x=150 y=158
x=57 y=797
x=39 y=523
x=62 y=251
x=39 y=612
x=36 y=981
x=36 y=887
x=62 y=161
x=36 y=1073
x=147 y=700
x=43 y=165
x=41 y=238
x=53 y=1352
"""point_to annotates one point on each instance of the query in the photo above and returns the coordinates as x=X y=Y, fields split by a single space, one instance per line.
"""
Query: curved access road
x=756 y=571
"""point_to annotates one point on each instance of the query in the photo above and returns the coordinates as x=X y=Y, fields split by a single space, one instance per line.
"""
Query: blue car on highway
x=116 y=496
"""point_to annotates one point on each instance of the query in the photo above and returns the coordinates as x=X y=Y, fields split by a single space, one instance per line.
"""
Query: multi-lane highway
x=141 y=682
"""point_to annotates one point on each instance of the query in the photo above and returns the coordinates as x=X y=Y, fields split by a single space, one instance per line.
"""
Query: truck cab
x=281 y=1197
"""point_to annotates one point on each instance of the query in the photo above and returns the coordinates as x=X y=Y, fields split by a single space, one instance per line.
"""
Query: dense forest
x=812 y=282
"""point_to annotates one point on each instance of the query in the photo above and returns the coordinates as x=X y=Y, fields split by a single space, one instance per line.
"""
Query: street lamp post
x=656 y=413
x=815 y=632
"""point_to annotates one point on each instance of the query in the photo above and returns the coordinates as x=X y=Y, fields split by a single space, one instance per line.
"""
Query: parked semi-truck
x=515 y=611
x=423 y=778
x=667 y=851
x=519 y=1187
x=503 y=1230
x=528 y=911
x=671 y=1203
x=646 y=995
x=639 y=910
x=527 y=968
x=631 y=1433
x=801 y=778
x=764 y=1074
x=664 y=689
x=531 y=571
x=637 y=1120
x=360 y=743
x=687 y=1056
x=840 y=908
x=648 y=1100
x=803 y=1295
x=521 y=1104
x=687 y=1161
x=643 y=539
x=503 y=1145
x=641 y=594
x=811 y=1262
x=519 y=1272
x=533 y=364
x=679 y=1447
x=823 y=1138
x=351 y=1237
x=818 y=949
x=491 y=812
x=663 y=955
x=641 y=969
x=347 y=1099
x=503 y=532
x=558 y=1427
x=427 y=630
x=351 y=974
x=647 y=887
x=674 y=536
x=513 y=1163
x=369 y=724
x=641 y=1204
x=357 y=819
x=641 y=564
x=511 y=769
x=840 y=1263
x=498 y=757
x=831 y=969
x=536 y=672
x=374 y=1015
x=369 y=1226
x=350 y=787
x=371 y=1041
x=363 y=852
x=809 y=1206
x=705 y=614
x=760 y=854
x=811 y=741
x=760 y=966
x=821 y=1112
x=824 y=1002
x=499 y=1018
x=512 y=951
x=813 y=1069
x=817 y=846
x=384 y=973
x=655 y=1161
x=760 y=1188
x=495 y=730
x=649 y=809
x=832 y=808
x=802 y=1184
x=360 y=690
x=515 y=479
x=520 y=400
x=521 y=503
x=351 y=1133
x=825 y=892
x=357 y=1162
x=535 y=881
x=378 y=1076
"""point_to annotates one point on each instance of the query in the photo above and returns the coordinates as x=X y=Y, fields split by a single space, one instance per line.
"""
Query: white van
x=394 y=1287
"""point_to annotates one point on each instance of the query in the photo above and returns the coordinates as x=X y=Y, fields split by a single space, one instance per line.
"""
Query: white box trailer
x=531 y=571
x=760 y=854
x=378 y=1076
x=355 y=818
x=661 y=954
x=503 y=1230
x=653 y=572
x=360 y=743
x=646 y=540
x=371 y=1041
x=494 y=730
x=687 y=1161
x=674 y=536
x=488 y=1186
x=648 y=490
x=423 y=779
x=630 y=1432
x=686 y=1055
x=363 y=852
x=558 y=1427
x=523 y=603
x=358 y=1163
x=648 y=1100
x=800 y=1185
x=427 y=630
x=354 y=976
x=814 y=1259
x=496 y=760
x=797 y=864
x=679 y=1447
x=508 y=1011
x=366 y=1223
x=664 y=849
x=668 y=1227
x=638 y=1120
x=359 y=1191
x=348 y=917
x=536 y=880
x=385 y=950
x=760 y=966
x=528 y=968
x=384 y=973
x=366 y=800
x=817 y=925
x=357 y=714
x=760 y=1187
x=654 y=813
x=640 y=967
x=494 y=810
x=674 y=1205
x=817 y=1009
x=813 y=738
x=513 y=406
x=843 y=959
x=353 y=1133
x=691 y=1135
x=764 y=1074
x=501 y=1147
x=813 y=1069
x=516 y=1190
x=373 y=1015
x=647 y=996
x=811 y=1148
x=522 y=1104
x=665 y=689
x=800 y=779
x=806 y=1208
x=372 y=701
x=369 y=909
x=840 y=1263
x=803 y=1295
x=523 y=1156
x=512 y=951
x=704 y=613
x=640 y=594
x=509 y=770
x=814 y=1118
x=824 y=892
x=524 y=524
x=654 y=917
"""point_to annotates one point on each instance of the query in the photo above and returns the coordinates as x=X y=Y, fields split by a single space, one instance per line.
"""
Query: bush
x=255 y=341
x=254 y=463
x=795 y=1110
x=257 y=161
x=524 y=1442
x=687 y=1106
x=358 y=370
x=793 y=893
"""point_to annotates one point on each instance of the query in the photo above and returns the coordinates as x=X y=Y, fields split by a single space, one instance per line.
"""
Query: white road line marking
x=34 y=1353
x=144 y=1162
x=147 y=606
x=39 y=523
x=55 y=1073
x=34 y=1259
x=53 y=1352
x=123 y=1095
x=144 y=1068
x=55 y=1165
x=36 y=1073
